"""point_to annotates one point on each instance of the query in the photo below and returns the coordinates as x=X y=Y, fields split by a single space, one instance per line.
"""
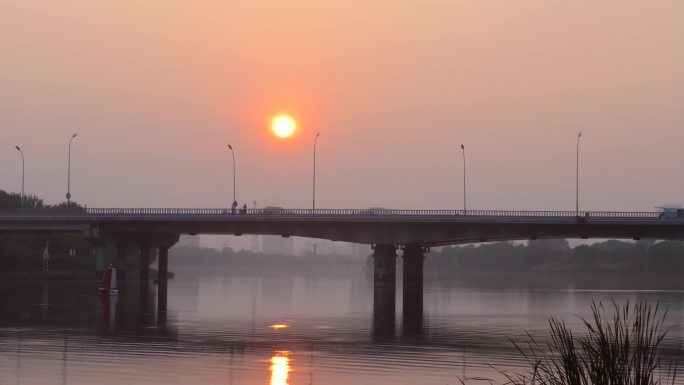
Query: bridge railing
x=61 y=211
x=325 y=212
x=373 y=212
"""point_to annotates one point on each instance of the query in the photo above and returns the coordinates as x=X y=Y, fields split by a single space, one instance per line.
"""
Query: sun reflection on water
x=280 y=368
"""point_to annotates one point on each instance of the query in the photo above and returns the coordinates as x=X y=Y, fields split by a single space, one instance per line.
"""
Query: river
x=289 y=327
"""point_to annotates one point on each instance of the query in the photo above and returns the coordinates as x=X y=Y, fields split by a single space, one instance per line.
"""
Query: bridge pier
x=384 y=265
x=144 y=282
x=133 y=253
x=384 y=292
x=145 y=251
x=412 y=314
x=162 y=279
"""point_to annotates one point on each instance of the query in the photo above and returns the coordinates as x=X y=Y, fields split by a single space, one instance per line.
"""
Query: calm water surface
x=291 y=328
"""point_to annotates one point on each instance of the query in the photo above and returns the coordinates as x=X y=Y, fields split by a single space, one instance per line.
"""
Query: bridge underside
x=426 y=233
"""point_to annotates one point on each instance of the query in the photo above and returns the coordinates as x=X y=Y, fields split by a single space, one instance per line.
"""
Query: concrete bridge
x=369 y=226
x=130 y=235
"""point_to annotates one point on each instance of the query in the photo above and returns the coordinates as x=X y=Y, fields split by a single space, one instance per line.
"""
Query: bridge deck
x=429 y=227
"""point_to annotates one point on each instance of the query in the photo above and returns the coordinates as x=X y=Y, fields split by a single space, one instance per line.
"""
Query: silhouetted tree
x=25 y=251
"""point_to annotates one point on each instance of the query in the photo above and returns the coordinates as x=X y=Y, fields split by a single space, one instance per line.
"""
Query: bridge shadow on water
x=140 y=307
x=384 y=325
x=74 y=306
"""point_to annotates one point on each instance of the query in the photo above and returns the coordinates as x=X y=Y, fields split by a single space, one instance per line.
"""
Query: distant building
x=275 y=244
x=189 y=241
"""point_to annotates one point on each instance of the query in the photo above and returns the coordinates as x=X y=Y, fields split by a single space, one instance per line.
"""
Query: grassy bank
x=621 y=345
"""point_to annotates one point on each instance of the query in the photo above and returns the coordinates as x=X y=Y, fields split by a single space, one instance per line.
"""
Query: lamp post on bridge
x=233 y=153
x=579 y=135
x=68 y=194
x=22 y=175
x=313 y=205
x=464 y=179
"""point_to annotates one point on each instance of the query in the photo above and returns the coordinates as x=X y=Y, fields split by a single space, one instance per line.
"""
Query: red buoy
x=108 y=283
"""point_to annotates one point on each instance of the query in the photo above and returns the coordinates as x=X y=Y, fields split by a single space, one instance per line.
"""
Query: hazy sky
x=156 y=90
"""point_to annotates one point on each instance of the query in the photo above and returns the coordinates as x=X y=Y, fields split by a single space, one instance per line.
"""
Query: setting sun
x=283 y=126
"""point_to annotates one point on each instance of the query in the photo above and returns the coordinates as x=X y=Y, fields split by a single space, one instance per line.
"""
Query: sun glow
x=279 y=326
x=283 y=126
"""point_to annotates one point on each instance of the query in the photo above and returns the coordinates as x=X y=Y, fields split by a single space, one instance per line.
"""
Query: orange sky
x=157 y=89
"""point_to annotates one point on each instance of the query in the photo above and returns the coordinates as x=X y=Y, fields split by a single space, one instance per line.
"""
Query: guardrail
x=373 y=212
x=325 y=212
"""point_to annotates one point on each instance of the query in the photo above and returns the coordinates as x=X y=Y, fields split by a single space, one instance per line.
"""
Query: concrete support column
x=146 y=316
x=100 y=260
x=384 y=292
x=163 y=269
x=385 y=265
x=144 y=264
x=412 y=315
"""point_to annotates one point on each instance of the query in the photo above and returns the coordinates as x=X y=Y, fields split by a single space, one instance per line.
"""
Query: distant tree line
x=557 y=255
x=540 y=256
x=24 y=252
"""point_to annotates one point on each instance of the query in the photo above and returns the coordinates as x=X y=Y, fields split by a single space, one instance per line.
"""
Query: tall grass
x=622 y=348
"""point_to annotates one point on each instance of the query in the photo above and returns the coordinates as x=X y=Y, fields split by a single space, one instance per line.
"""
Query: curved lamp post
x=579 y=135
x=233 y=153
x=464 y=179
x=313 y=205
x=68 y=194
x=22 y=175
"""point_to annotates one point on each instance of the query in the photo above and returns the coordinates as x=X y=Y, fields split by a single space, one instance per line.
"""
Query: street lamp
x=233 y=153
x=68 y=194
x=22 y=175
x=579 y=135
x=464 y=178
x=313 y=205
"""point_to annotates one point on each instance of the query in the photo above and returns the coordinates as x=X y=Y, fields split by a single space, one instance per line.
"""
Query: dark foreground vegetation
x=621 y=345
